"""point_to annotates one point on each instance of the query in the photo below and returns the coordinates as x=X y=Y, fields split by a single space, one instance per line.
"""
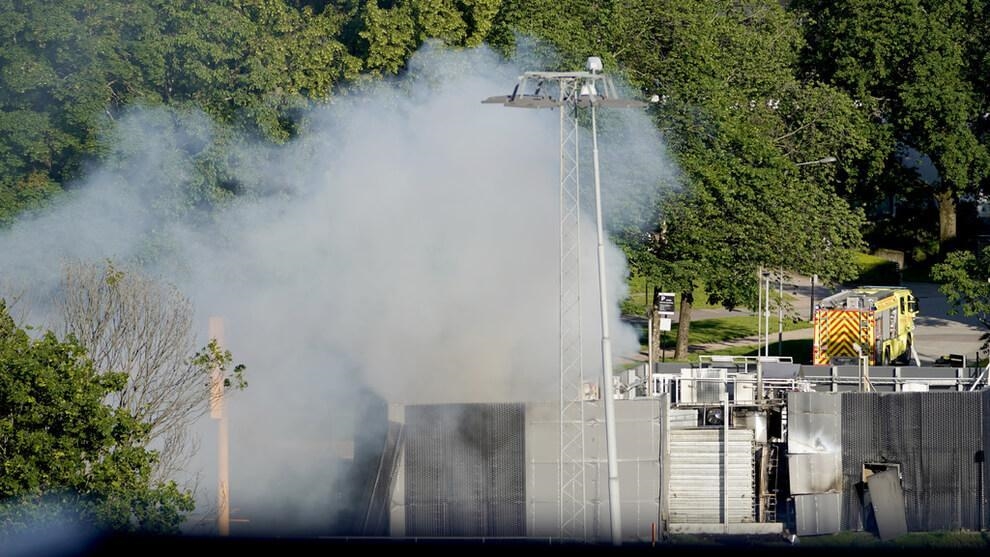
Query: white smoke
x=406 y=243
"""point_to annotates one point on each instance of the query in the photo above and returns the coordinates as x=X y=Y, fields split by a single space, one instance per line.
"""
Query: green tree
x=70 y=68
x=65 y=451
x=739 y=118
x=568 y=31
x=741 y=121
x=964 y=278
x=914 y=69
x=251 y=63
x=385 y=34
x=132 y=323
x=64 y=66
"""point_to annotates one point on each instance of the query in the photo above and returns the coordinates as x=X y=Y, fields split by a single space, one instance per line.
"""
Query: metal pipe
x=766 y=317
x=649 y=338
x=812 y=314
x=759 y=312
x=725 y=458
x=780 y=313
x=610 y=441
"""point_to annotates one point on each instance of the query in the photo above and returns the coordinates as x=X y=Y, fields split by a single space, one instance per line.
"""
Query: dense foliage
x=64 y=453
x=965 y=278
x=918 y=71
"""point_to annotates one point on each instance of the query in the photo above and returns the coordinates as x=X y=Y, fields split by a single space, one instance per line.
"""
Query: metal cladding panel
x=542 y=469
x=817 y=514
x=815 y=371
x=815 y=473
x=847 y=371
x=887 y=498
x=638 y=451
x=813 y=403
x=464 y=470
x=780 y=370
x=860 y=443
x=878 y=371
x=813 y=423
x=697 y=482
x=680 y=418
x=934 y=437
x=928 y=372
x=981 y=457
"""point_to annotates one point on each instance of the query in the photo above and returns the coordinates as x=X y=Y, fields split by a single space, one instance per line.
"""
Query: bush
x=877 y=271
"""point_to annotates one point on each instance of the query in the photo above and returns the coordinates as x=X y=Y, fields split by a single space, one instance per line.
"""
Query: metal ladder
x=771 y=494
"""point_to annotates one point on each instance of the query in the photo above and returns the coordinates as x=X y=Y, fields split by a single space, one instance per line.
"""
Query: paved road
x=937 y=333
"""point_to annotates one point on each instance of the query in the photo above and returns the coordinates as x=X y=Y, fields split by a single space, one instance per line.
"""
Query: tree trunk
x=683 y=326
x=946 y=217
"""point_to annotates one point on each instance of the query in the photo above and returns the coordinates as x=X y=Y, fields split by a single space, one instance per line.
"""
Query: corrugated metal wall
x=984 y=496
x=697 y=482
x=638 y=452
x=464 y=470
x=935 y=437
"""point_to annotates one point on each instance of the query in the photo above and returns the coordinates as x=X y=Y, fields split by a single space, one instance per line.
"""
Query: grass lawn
x=798 y=350
x=705 y=331
x=846 y=540
x=641 y=296
x=910 y=540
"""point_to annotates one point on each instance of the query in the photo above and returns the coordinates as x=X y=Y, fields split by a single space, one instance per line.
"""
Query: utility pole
x=219 y=413
x=571 y=91
x=814 y=278
x=766 y=313
x=780 y=313
x=759 y=311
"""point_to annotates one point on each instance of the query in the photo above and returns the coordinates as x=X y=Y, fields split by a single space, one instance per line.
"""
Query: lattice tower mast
x=569 y=91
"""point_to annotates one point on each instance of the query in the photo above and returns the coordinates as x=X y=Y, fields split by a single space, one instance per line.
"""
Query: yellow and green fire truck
x=877 y=319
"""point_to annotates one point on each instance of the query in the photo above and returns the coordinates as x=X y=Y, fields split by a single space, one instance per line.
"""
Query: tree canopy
x=965 y=278
x=65 y=451
x=916 y=70
x=132 y=323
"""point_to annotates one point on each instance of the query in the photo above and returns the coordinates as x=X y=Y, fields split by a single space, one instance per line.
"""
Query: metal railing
x=748 y=388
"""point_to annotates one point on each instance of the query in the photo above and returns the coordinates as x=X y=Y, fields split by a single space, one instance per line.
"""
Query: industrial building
x=733 y=445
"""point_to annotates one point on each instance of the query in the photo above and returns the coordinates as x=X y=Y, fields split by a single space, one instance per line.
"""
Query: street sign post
x=664 y=303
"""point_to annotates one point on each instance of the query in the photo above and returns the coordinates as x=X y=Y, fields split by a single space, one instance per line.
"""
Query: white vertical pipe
x=613 y=465
x=725 y=455
x=780 y=313
x=759 y=312
x=766 y=317
x=649 y=341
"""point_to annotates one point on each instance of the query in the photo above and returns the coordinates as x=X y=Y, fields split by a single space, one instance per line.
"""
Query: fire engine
x=867 y=321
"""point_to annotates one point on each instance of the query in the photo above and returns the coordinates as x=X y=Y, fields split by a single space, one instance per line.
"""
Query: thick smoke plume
x=404 y=249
